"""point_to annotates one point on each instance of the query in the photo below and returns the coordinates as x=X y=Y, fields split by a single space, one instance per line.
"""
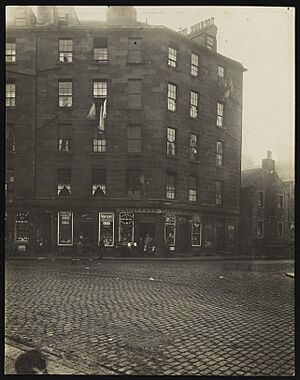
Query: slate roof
x=248 y=177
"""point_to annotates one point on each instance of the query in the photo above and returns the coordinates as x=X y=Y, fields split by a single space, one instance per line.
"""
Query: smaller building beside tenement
x=267 y=212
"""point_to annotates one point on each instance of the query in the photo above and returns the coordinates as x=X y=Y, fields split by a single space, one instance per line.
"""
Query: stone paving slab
x=157 y=318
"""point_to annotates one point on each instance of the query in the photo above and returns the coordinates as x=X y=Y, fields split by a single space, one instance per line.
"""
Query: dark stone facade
x=37 y=115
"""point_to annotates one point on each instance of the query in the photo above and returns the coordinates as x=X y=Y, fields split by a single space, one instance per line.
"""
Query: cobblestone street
x=156 y=317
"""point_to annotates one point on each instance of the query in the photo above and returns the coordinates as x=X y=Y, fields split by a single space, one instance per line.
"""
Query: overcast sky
x=262 y=39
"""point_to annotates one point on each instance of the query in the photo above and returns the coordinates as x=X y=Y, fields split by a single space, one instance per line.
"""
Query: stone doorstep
x=55 y=365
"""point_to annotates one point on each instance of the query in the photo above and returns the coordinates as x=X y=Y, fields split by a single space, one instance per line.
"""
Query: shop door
x=182 y=235
x=220 y=234
x=147 y=228
x=87 y=229
x=44 y=231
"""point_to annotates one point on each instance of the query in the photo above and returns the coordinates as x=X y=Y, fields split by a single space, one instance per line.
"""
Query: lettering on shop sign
x=142 y=210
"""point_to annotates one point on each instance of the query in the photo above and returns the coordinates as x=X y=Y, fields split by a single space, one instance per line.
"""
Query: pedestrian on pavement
x=101 y=249
x=31 y=362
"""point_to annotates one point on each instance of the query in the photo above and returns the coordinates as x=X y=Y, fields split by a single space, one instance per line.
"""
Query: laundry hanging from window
x=102 y=114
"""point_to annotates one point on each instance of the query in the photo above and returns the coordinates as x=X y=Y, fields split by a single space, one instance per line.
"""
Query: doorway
x=220 y=234
x=147 y=228
x=182 y=236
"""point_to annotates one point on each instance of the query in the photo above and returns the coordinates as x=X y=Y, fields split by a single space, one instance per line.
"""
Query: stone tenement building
x=266 y=211
x=116 y=129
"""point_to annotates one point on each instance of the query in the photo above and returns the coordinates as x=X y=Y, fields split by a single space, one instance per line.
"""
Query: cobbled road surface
x=156 y=317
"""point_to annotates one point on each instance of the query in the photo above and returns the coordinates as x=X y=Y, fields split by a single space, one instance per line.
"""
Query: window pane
x=100 y=89
x=221 y=71
x=172 y=57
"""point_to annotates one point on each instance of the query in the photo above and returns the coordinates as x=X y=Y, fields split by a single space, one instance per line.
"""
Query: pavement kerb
x=177 y=258
x=55 y=365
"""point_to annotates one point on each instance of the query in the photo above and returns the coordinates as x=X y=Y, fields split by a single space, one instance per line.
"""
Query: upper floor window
x=260 y=199
x=194 y=154
x=135 y=50
x=193 y=184
x=99 y=90
x=10 y=95
x=209 y=42
x=65 y=50
x=280 y=201
x=65 y=93
x=64 y=134
x=219 y=193
x=98 y=183
x=10 y=51
x=170 y=186
x=220 y=114
x=221 y=72
x=134 y=137
x=194 y=104
x=62 y=18
x=134 y=183
x=99 y=144
x=194 y=64
x=171 y=142
x=100 y=50
x=64 y=182
x=10 y=138
x=20 y=21
x=260 y=228
x=9 y=182
x=172 y=97
x=280 y=230
x=134 y=93
x=172 y=57
x=219 y=153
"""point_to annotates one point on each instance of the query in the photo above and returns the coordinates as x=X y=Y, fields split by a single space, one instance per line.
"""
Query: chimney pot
x=269 y=154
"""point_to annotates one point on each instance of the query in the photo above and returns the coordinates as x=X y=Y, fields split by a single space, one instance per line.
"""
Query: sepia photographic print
x=149 y=190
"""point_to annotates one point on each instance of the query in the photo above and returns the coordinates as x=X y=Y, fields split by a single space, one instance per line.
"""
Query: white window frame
x=172 y=97
x=100 y=89
x=194 y=104
x=62 y=244
x=10 y=52
x=219 y=154
x=220 y=114
x=196 y=245
x=169 y=189
x=65 y=50
x=172 y=57
x=132 y=229
x=221 y=71
x=99 y=145
x=173 y=226
x=65 y=94
x=170 y=136
x=113 y=228
x=10 y=95
x=194 y=64
x=193 y=192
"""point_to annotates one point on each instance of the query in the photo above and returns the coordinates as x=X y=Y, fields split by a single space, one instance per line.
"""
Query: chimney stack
x=268 y=163
x=205 y=33
x=121 y=15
